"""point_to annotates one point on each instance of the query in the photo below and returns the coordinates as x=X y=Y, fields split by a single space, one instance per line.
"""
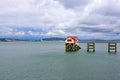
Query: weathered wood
x=72 y=47
x=90 y=47
x=112 y=47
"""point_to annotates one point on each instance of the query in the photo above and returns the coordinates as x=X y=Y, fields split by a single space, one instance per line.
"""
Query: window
x=69 y=40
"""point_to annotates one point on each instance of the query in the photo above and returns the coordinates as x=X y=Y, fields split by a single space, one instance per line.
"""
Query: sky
x=87 y=19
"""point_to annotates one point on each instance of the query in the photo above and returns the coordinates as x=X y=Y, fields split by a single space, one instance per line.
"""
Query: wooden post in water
x=71 y=43
x=90 y=47
x=112 y=47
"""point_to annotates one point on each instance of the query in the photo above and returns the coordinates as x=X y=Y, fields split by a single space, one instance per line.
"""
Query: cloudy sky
x=87 y=19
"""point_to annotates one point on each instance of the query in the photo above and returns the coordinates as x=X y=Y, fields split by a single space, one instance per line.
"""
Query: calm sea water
x=49 y=61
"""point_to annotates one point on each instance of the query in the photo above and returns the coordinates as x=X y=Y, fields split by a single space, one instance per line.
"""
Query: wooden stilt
x=90 y=47
x=112 y=47
x=71 y=47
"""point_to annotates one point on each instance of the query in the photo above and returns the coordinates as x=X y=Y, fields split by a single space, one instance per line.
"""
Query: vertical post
x=108 y=46
x=93 y=47
x=87 y=47
x=115 y=47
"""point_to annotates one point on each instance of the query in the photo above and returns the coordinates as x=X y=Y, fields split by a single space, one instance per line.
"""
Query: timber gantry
x=112 y=47
x=90 y=47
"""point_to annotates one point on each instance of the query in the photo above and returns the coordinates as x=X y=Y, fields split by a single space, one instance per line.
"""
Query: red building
x=72 y=43
x=71 y=39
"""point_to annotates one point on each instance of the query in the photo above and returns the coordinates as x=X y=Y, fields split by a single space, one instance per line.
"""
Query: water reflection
x=112 y=53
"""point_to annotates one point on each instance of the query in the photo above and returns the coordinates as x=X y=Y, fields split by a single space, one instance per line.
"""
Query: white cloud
x=61 y=17
x=31 y=33
x=5 y=31
x=20 y=33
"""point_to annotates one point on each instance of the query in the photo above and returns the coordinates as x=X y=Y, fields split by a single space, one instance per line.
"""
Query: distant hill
x=9 y=39
x=83 y=40
x=53 y=39
x=98 y=40
x=3 y=39
x=44 y=39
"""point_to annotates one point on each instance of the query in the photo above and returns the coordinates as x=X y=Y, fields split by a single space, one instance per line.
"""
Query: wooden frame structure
x=112 y=47
x=90 y=47
x=72 y=47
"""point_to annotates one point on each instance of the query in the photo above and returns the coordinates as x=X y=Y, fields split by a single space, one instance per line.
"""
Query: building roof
x=73 y=37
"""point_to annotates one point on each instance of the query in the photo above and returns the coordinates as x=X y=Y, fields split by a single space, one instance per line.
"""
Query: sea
x=48 y=60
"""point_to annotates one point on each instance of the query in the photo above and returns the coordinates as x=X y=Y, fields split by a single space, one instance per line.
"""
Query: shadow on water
x=71 y=52
x=90 y=52
x=112 y=53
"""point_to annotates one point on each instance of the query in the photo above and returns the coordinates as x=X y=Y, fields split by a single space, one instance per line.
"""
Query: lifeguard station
x=71 y=43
